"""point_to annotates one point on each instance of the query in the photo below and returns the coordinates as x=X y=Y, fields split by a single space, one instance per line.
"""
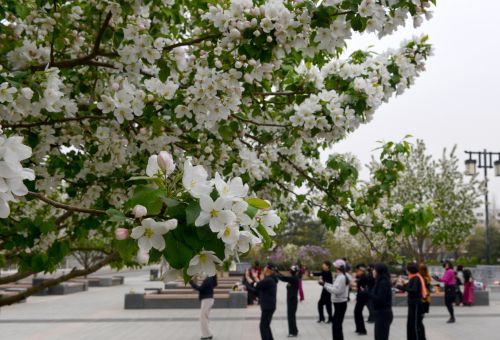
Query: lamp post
x=484 y=161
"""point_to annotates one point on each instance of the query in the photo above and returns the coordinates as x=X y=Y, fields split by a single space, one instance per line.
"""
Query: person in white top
x=339 y=291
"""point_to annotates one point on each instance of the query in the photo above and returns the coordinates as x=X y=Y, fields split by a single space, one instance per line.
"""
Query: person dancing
x=339 y=291
x=325 y=299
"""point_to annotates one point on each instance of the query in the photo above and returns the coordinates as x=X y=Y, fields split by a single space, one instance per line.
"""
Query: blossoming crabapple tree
x=242 y=95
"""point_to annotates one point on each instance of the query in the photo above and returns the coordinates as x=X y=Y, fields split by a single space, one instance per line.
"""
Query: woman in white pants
x=206 y=296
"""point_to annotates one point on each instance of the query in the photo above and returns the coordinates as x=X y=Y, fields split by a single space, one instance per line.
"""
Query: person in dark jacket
x=416 y=292
x=292 y=290
x=371 y=284
x=362 y=282
x=381 y=298
x=266 y=289
x=206 y=296
x=325 y=298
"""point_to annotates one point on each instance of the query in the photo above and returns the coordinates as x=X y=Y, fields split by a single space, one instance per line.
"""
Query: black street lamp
x=484 y=161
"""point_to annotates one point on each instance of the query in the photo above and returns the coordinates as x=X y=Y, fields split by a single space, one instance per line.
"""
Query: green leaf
x=251 y=211
x=258 y=203
x=192 y=213
x=226 y=133
x=126 y=248
x=151 y=198
x=115 y=215
x=176 y=252
x=267 y=242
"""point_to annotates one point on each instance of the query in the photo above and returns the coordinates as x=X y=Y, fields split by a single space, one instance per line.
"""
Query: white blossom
x=150 y=233
x=204 y=263
x=214 y=213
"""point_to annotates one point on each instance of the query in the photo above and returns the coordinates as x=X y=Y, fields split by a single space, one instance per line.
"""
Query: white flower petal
x=203 y=219
x=145 y=243
x=158 y=242
x=206 y=203
x=17 y=186
x=137 y=232
x=152 y=167
x=4 y=209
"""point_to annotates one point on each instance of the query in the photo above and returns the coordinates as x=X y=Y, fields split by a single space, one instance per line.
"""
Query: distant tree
x=301 y=229
x=443 y=186
x=476 y=247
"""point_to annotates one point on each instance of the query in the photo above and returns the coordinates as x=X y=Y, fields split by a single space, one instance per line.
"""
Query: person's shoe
x=207 y=337
x=452 y=320
x=320 y=321
x=329 y=321
x=362 y=333
x=292 y=335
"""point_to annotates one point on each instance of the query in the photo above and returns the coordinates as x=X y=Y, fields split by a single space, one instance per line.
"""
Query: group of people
x=374 y=290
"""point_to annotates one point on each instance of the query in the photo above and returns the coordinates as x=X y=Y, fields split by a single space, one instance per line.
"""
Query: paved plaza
x=99 y=314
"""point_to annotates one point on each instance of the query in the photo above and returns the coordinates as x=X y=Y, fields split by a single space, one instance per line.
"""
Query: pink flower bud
x=121 y=233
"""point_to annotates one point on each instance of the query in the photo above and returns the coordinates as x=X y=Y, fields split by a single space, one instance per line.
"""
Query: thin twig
x=66 y=206
x=192 y=42
x=281 y=93
x=53 y=122
x=85 y=60
x=258 y=123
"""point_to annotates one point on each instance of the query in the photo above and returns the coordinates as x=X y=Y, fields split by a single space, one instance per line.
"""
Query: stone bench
x=69 y=287
x=481 y=298
x=105 y=281
x=176 y=285
x=180 y=301
x=189 y=290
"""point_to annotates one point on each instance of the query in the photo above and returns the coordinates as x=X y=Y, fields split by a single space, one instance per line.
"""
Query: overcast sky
x=457 y=99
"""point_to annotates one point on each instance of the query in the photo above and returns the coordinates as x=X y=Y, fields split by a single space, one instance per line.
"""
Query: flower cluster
x=12 y=173
x=227 y=215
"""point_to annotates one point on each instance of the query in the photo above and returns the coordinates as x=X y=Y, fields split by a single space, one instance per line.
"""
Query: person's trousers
x=206 y=307
x=265 y=324
x=383 y=321
x=337 y=320
x=292 y=320
x=414 y=324
x=358 y=316
x=326 y=301
x=448 y=300
x=301 y=290
x=371 y=315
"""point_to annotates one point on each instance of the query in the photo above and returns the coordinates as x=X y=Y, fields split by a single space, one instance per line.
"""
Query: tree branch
x=53 y=122
x=257 y=123
x=192 y=42
x=281 y=93
x=66 y=206
x=85 y=60
x=15 y=277
x=5 y=301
